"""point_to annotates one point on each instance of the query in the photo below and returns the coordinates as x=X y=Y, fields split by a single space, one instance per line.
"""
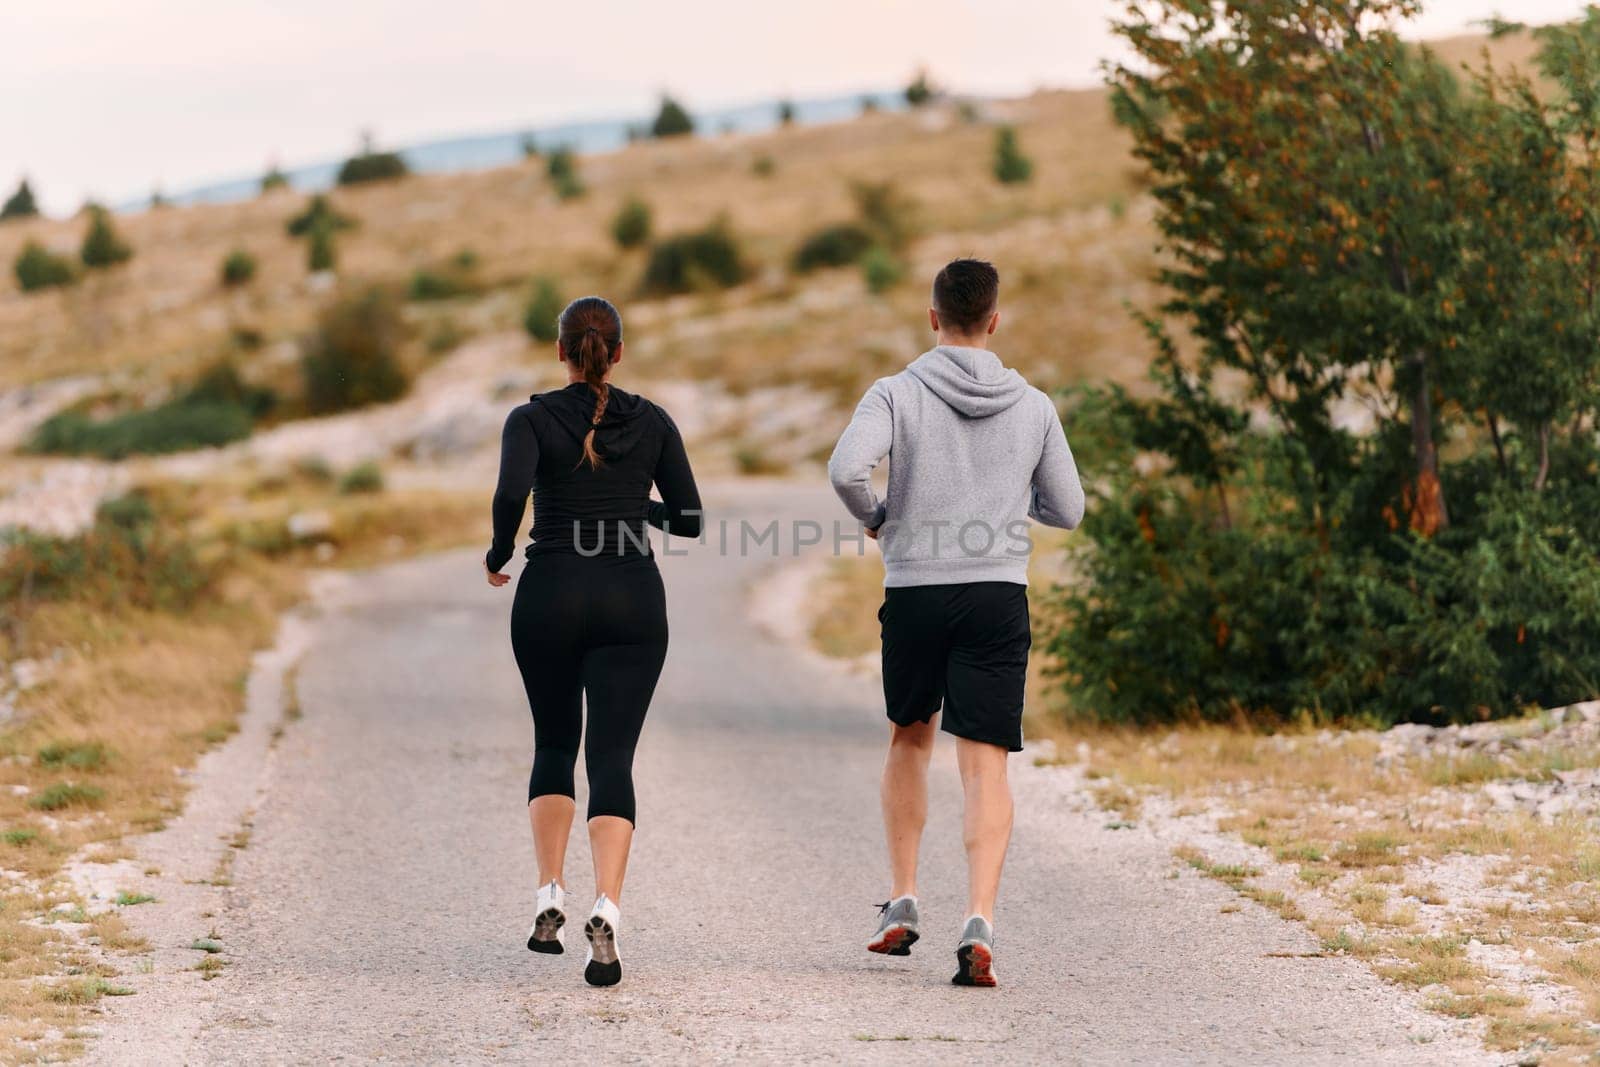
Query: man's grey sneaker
x=547 y=935
x=975 y=954
x=897 y=931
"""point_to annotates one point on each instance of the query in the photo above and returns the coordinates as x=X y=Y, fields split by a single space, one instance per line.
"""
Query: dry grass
x=1369 y=839
x=133 y=696
x=1075 y=231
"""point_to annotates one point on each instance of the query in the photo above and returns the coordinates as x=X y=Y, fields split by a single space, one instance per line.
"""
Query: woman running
x=590 y=616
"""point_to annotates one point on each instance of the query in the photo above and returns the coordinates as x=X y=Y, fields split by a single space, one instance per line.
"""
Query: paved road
x=380 y=908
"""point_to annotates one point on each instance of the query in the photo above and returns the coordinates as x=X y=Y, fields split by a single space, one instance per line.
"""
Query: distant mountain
x=498 y=149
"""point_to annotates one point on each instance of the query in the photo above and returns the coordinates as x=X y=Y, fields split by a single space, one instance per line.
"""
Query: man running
x=974 y=451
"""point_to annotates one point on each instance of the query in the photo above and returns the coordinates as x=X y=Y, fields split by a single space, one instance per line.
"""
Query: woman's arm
x=680 y=513
x=519 y=459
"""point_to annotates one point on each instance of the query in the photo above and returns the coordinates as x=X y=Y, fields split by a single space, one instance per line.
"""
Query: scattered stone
x=310 y=525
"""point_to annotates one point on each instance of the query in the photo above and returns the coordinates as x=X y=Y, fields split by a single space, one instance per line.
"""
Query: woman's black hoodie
x=584 y=510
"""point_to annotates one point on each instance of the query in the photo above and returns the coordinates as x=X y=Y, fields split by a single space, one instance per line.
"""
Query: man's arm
x=1057 y=498
x=862 y=446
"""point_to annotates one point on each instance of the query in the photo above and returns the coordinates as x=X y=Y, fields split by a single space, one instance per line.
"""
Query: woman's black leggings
x=597 y=628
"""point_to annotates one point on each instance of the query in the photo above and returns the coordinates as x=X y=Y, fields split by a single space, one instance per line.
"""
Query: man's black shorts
x=964 y=647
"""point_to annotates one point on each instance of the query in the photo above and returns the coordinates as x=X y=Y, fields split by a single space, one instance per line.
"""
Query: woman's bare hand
x=496 y=580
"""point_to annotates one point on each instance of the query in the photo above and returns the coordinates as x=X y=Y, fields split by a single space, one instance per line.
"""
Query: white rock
x=310 y=525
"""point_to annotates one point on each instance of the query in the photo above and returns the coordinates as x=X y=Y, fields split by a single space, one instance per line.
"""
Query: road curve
x=379 y=910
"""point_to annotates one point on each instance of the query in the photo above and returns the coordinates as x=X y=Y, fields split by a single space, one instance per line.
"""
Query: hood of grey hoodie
x=971 y=380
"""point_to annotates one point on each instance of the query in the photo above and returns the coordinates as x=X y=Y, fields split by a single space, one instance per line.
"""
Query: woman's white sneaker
x=604 y=964
x=548 y=934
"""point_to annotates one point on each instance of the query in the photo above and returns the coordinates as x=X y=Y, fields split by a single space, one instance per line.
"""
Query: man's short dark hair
x=966 y=293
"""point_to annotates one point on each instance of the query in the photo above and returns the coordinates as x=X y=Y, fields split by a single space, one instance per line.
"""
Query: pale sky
x=109 y=98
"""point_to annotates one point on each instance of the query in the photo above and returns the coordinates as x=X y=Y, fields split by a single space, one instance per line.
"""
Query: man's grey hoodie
x=974 y=451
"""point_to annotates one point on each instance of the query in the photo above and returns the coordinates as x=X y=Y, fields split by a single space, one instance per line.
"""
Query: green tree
x=920 y=91
x=20 y=204
x=322 y=253
x=631 y=226
x=671 y=120
x=371 y=165
x=102 y=246
x=786 y=112
x=1010 y=165
x=319 y=213
x=1371 y=257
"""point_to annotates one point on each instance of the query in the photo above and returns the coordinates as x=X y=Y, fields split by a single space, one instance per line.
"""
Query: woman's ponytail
x=590 y=331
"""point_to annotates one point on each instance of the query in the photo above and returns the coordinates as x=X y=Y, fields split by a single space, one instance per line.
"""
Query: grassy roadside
x=1462 y=863
x=129 y=684
x=1410 y=858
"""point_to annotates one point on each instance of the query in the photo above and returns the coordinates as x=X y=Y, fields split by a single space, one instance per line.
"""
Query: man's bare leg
x=905 y=801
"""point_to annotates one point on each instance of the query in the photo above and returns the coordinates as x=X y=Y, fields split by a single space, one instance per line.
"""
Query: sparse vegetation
x=455 y=278
x=881 y=269
x=362 y=478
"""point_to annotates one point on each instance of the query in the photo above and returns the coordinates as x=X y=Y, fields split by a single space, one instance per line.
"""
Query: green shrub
x=1010 y=165
x=67 y=795
x=362 y=478
x=133 y=554
x=102 y=245
x=372 y=166
x=530 y=147
x=561 y=165
x=353 y=359
x=222 y=384
x=763 y=166
x=671 y=120
x=20 y=204
x=238 y=268
x=322 y=254
x=881 y=269
x=707 y=258
x=838 y=245
x=37 y=267
x=786 y=112
x=171 y=427
x=82 y=756
x=544 y=308
x=885 y=213
x=631 y=226
x=319 y=213
x=458 y=277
